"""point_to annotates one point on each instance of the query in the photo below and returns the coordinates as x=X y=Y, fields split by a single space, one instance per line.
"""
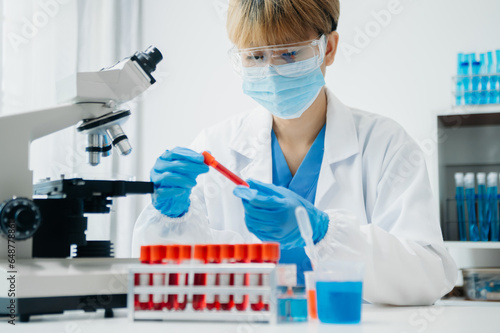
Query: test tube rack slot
x=189 y=314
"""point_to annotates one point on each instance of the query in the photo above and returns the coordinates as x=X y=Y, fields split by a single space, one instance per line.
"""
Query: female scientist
x=361 y=178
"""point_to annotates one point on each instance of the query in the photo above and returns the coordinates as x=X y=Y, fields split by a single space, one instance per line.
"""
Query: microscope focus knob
x=19 y=216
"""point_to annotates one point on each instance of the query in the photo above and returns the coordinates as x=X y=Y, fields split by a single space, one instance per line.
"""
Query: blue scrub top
x=304 y=183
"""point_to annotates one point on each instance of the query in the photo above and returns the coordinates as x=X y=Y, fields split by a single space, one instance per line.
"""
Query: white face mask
x=286 y=97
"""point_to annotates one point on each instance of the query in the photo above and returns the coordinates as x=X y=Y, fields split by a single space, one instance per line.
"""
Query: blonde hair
x=254 y=23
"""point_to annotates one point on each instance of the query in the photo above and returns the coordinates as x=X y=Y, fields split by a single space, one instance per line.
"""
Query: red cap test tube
x=171 y=258
x=270 y=254
x=200 y=279
x=213 y=257
x=158 y=279
x=184 y=258
x=225 y=279
x=143 y=301
x=211 y=161
x=241 y=256
x=255 y=254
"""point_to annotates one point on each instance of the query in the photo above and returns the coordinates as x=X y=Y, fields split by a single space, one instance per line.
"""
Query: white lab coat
x=373 y=184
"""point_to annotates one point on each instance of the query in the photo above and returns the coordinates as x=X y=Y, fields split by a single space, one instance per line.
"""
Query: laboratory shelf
x=469 y=109
x=472 y=245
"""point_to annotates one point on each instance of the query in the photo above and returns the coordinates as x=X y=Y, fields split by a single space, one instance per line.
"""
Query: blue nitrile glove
x=270 y=214
x=174 y=175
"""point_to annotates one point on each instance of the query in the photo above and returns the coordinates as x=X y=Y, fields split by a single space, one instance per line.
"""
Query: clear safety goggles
x=290 y=60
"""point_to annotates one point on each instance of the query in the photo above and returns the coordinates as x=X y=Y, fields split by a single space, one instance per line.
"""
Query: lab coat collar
x=253 y=142
x=254 y=133
x=253 y=139
x=341 y=137
x=341 y=142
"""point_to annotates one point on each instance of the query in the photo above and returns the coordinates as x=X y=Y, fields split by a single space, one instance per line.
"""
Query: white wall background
x=404 y=72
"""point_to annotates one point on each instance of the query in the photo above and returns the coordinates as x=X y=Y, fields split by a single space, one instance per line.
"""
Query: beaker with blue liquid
x=339 y=289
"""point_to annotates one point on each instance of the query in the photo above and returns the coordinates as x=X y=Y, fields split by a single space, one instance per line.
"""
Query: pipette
x=211 y=161
x=306 y=232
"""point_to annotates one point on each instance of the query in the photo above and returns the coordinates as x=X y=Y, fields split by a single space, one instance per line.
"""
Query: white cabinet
x=468 y=141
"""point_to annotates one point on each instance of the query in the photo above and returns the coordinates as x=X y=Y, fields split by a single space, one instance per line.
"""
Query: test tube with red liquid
x=270 y=254
x=158 y=279
x=213 y=257
x=241 y=279
x=211 y=161
x=184 y=258
x=143 y=301
x=226 y=279
x=255 y=255
x=172 y=279
x=200 y=279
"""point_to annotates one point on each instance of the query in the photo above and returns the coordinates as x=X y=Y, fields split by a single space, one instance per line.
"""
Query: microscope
x=42 y=225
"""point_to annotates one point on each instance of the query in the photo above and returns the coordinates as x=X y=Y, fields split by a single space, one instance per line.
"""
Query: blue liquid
x=467 y=93
x=475 y=88
x=470 y=198
x=484 y=89
x=339 y=302
x=494 y=92
x=493 y=212
x=292 y=309
x=462 y=228
x=481 y=214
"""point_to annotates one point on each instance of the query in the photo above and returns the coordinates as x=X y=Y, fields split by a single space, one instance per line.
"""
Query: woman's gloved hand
x=270 y=214
x=174 y=175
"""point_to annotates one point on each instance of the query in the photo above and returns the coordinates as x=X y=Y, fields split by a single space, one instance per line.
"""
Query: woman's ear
x=331 y=47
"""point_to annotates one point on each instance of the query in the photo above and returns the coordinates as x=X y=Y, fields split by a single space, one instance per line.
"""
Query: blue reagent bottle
x=485 y=79
x=465 y=72
x=493 y=79
x=459 y=92
x=476 y=68
x=493 y=205
x=462 y=228
x=470 y=198
x=496 y=89
x=481 y=206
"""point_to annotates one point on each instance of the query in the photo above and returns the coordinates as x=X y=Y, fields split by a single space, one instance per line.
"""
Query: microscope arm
x=92 y=95
x=19 y=130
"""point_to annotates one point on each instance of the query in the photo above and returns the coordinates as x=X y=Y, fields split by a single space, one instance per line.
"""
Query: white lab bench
x=472 y=317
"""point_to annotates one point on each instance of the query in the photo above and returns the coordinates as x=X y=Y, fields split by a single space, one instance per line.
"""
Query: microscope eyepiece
x=149 y=58
x=105 y=130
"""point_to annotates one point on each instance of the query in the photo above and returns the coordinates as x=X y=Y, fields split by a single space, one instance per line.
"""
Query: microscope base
x=51 y=286
x=57 y=305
